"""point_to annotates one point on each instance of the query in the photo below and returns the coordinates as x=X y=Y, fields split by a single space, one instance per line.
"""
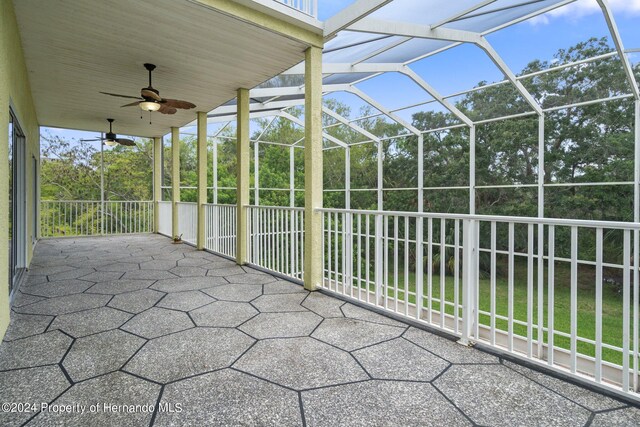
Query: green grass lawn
x=611 y=304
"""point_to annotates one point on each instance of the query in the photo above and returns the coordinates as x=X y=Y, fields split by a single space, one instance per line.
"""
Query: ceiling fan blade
x=176 y=103
x=120 y=96
x=125 y=141
x=130 y=105
x=146 y=93
x=165 y=109
x=91 y=140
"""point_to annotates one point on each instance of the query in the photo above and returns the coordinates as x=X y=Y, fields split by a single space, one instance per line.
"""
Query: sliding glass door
x=17 y=204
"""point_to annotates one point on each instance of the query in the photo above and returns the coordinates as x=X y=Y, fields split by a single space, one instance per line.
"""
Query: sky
x=465 y=66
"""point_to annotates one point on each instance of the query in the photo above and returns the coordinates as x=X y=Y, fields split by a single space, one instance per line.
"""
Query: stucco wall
x=14 y=91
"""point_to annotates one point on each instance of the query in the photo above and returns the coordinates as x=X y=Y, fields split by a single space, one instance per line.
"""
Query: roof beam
x=434 y=93
x=325 y=135
x=289 y=90
x=462 y=13
x=394 y=28
x=615 y=35
x=499 y=62
x=334 y=68
x=351 y=14
x=366 y=98
x=348 y=123
x=528 y=16
x=232 y=117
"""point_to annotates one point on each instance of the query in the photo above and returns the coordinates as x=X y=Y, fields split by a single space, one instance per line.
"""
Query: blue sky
x=464 y=66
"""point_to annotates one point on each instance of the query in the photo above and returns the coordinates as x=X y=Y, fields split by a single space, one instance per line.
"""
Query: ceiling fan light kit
x=111 y=139
x=149 y=106
x=150 y=99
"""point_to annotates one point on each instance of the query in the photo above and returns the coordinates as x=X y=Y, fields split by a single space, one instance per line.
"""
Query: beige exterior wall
x=15 y=92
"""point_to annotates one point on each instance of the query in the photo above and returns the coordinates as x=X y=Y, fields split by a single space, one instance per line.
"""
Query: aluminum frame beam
x=351 y=14
x=617 y=40
x=325 y=135
x=346 y=122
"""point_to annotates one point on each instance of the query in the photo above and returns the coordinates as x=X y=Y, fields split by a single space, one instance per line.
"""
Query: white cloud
x=582 y=8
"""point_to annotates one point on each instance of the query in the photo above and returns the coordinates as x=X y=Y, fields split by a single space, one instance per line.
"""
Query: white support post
x=292 y=177
x=472 y=170
x=157 y=183
x=636 y=247
x=419 y=230
x=348 y=221
x=380 y=183
x=379 y=265
x=469 y=281
x=215 y=170
x=347 y=178
x=256 y=173
x=541 y=173
x=175 y=180
x=215 y=161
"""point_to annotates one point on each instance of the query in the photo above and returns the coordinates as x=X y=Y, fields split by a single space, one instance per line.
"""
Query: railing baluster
x=406 y=266
x=598 y=336
x=395 y=263
x=385 y=264
x=430 y=270
x=530 y=290
x=456 y=279
x=419 y=267
x=367 y=262
x=443 y=256
x=493 y=284
x=574 y=298
x=510 y=287
x=626 y=312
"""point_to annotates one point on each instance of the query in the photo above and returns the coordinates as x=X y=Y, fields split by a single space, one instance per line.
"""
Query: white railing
x=309 y=7
x=188 y=221
x=165 y=219
x=276 y=239
x=220 y=229
x=538 y=289
x=89 y=218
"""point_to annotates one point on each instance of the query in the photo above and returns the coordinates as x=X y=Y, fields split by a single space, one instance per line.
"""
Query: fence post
x=157 y=184
x=378 y=260
x=469 y=280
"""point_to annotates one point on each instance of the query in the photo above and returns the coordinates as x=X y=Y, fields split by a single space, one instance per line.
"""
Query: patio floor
x=193 y=339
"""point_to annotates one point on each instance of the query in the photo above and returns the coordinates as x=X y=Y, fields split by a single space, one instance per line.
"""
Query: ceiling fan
x=111 y=139
x=150 y=99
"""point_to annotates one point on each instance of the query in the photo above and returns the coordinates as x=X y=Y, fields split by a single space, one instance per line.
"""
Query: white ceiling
x=77 y=48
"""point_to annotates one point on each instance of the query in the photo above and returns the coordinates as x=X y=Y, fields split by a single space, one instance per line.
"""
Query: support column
x=541 y=147
x=256 y=173
x=202 y=176
x=243 y=150
x=313 y=169
x=472 y=169
x=636 y=245
x=214 y=165
x=292 y=177
x=380 y=194
x=420 y=231
x=157 y=182
x=175 y=179
x=347 y=178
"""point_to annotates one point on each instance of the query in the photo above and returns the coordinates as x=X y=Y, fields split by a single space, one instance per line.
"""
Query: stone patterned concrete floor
x=140 y=321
